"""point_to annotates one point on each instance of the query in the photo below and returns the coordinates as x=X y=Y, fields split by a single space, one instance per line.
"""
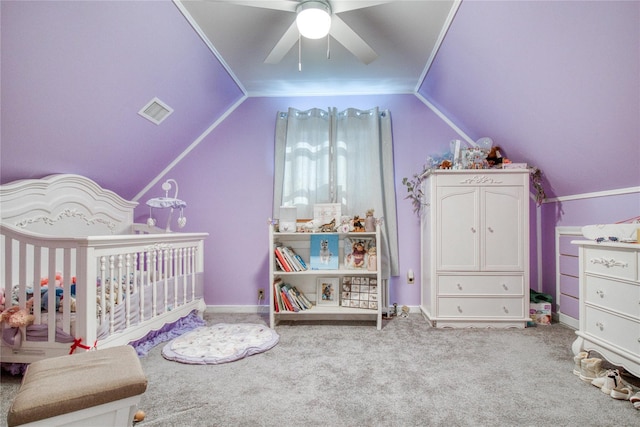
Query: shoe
x=576 y=359
x=590 y=369
x=635 y=400
x=620 y=390
x=609 y=381
x=600 y=382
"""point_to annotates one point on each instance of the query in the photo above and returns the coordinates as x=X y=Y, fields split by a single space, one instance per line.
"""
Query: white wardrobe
x=475 y=248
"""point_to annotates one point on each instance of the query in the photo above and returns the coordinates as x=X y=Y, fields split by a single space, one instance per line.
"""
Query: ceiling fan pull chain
x=299 y=52
x=328 y=47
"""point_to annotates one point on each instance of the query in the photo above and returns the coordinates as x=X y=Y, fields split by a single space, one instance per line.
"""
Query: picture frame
x=324 y=252
x=328 y=291
x=324 y=213
x=356 y=252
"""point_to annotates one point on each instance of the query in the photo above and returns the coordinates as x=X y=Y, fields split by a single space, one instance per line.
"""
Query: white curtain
x=325 y=156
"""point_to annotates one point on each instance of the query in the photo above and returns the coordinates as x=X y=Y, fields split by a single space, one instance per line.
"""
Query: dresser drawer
x=481 y=307
x=619 y=331
x=481 y=285
x=614 y=295
x=612 y=262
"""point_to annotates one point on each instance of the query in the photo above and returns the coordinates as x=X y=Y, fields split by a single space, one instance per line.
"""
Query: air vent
x=156 y=111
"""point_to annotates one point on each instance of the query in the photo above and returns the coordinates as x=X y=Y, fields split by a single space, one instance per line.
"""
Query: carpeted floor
x=407 y=374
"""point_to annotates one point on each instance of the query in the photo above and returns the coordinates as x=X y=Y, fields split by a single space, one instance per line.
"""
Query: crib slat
x=66 y=291
x=51 y=302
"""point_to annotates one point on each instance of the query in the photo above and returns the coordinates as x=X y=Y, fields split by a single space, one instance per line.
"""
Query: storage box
x=288 y=219
x=540 y=313
x=514 y=166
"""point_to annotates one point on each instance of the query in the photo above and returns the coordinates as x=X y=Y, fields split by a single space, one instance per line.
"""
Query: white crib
x=116 y=281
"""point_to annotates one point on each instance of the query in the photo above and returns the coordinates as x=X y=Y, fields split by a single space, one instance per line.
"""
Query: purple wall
x=555 y=83
x=229 y=188
x=74 y=76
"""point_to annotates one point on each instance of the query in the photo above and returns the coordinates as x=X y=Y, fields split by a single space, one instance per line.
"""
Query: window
x=325 y=156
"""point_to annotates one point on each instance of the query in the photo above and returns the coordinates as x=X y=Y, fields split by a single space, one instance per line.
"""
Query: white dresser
x=610 y=302
x=475 y=248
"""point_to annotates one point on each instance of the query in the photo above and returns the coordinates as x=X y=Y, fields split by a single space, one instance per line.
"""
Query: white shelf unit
x=306 y=281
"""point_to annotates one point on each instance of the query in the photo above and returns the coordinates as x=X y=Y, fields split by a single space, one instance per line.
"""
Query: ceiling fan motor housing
x=313 y=18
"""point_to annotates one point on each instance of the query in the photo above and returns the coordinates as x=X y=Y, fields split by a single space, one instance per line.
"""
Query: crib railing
x=119 y=283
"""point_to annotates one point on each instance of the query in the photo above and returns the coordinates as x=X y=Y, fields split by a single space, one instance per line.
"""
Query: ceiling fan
x=339 y=30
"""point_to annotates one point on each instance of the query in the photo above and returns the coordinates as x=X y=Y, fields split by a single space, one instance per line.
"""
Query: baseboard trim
x=264 y=309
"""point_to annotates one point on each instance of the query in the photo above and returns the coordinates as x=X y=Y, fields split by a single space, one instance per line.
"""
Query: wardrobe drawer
x=619 y=331
x=481 y=285
x=611 y=262
x=481 y=307
x=479 y=178
x=617 y=296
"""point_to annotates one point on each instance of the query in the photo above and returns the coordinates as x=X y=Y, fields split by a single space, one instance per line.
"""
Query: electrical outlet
x=410 y=277
x=260 y=294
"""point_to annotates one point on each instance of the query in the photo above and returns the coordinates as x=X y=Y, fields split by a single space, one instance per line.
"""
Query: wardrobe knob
x=505 y=309
x=600 y=325
x=505 y=287
x=490 y=229
x=459 y=286
x=600 y=293
x=473 y=230
x=459 y=309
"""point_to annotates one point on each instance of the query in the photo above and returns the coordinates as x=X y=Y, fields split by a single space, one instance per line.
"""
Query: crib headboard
x=65 y=205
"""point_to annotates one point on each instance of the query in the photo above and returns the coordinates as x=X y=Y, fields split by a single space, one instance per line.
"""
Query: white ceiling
x=404 y=33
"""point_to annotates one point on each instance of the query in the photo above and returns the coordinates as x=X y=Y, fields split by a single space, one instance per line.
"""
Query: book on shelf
x=288 y=260
x=288 y=298
x=281 y=261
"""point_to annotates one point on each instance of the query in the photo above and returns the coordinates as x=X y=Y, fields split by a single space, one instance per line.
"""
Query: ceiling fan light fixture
x=313 y=19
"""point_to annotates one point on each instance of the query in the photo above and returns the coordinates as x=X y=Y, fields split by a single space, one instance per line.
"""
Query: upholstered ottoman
x=94 y=388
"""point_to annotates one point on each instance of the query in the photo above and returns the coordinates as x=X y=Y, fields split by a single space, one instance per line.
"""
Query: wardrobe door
x=502 y=242
x=457 y=229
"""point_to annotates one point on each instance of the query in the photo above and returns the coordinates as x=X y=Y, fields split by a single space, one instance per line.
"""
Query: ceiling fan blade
x=347 y=5
x=351 y=40
x=284 y=45
x=284 y=5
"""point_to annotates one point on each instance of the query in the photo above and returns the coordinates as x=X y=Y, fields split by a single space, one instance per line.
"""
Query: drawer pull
x=600 y=325
x=600 y=293
x=490 y=229
x=459 y=286
x=473 y=230
x=608 y=262
x=459 y=309
x=505 y=287
x=505 y=309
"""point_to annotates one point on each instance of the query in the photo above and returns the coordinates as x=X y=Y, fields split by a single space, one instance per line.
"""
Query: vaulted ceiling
x=403 y=35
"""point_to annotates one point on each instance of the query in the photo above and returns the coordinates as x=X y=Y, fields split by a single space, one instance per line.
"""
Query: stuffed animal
x=72 y=306
x=369 y=221
x=494 y=157
x=357 y=224
x=45 y=280
x=446 y=164
x=329 y=228
x=372 y=262
x=16 y=317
